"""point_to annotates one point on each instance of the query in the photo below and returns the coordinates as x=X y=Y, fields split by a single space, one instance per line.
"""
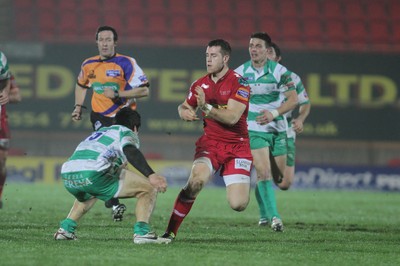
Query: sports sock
x=68 y=225
x=141 y=228
x=114 y=201
x=268 y=195
x=261 y=205
x=182 y=207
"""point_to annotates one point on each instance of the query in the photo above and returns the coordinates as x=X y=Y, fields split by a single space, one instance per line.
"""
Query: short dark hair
x=263 y=36
x=128 y=118
x=103 y=28
x=225 y=46
x=276 y=48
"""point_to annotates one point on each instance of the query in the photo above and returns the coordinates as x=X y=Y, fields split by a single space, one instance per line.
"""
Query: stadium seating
x=312 y=32
x=310 y=9
x=357 y=33
x=394 y=10
x=179 y=7
x=335 y=33
x=311 y=24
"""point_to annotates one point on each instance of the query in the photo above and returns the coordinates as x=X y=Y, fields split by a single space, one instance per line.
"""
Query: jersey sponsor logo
x=204 y=86
x=243 y=81
x=249 y=78
x=143 y=78
x=91 y=74
x=242 y=164
x=113 y=73
x=77 y=183
x=224 y=92
x=99 y=87
x=243 y=94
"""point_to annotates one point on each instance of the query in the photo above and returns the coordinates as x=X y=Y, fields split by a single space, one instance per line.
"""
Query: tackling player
x=97 y=170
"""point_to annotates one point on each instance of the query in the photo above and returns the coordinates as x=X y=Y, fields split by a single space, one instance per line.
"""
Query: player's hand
x=159 y=182
x=109 y=93
x=264 y=118
x=189 y=115
x=76 y=114
x=297 y=125
x=4 y=99
x=200 y=96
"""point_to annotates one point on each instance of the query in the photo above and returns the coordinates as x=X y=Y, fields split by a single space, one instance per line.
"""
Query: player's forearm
x=135 y=93
x=5 y=86
x=289 y=104
x=15 y=95
x=80 y=94
x=304 y=111
x=136 y=158
x=227 y=117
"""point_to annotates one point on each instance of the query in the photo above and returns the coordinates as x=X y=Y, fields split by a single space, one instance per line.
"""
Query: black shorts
x=99 y=121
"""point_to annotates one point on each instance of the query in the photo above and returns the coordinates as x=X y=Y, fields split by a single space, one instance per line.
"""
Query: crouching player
x=97 y=170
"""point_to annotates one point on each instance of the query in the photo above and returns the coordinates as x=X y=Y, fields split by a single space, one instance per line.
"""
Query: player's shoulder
x=243 y=67
x=237 y=78
x=122 y=57
x=202 y=80
x=92 y=59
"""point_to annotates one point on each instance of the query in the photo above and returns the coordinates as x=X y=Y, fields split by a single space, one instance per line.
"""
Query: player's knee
x=148 y=191
x=285 y=184
x=195 y=186
x=283 y=187
x=239 y=207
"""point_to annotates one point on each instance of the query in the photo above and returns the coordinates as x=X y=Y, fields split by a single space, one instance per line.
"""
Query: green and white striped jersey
x=4 y=71
x=302 y=99
x=268 y=86
x=102 y=151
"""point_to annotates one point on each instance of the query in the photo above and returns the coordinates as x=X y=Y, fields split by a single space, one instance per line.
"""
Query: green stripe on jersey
x=264 y=98
x=105 y=140
x=84 y=155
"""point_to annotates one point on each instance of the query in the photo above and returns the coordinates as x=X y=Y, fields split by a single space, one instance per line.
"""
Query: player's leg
x=201 y=172
x=3 y=171
x=278 y=156
x=78 y=210
x=260 y=148
x=133 y=185
x=278 y=149
x=236 y=173
x=290 y=165
x=238 y=194
x=265 y=194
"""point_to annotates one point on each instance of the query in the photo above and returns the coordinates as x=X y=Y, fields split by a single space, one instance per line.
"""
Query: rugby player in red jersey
x=223 y=97
x=7 y=95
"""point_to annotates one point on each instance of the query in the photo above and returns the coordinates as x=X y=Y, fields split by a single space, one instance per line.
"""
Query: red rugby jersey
x=230 y=86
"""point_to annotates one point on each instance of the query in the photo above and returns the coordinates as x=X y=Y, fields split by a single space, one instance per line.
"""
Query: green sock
x=268 y=196
x=68 y=225
x=261 y=204
x=141 y=228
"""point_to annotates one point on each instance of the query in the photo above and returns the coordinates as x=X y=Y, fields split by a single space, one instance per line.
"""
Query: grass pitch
x=321 y=228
